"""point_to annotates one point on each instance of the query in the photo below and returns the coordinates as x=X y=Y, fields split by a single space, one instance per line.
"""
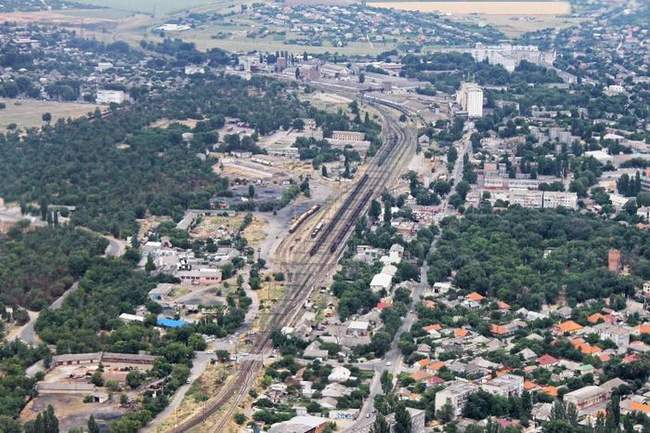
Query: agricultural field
x=516 y=25
x=513 y=18
x=481 y=7
x=28 y=113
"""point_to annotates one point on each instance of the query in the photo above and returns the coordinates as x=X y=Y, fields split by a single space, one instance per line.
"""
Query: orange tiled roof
x=475 y=296
x=434 y=327
x=550 y=390
x=604 y=357
x=568 y=326
x=420 y=375
x=640 y=407
x=498 y=329
x=585 y=347
x=435 y=365
x=530 y=385
x=423 y=363
x=460 y=332
x=644 y=329
x=502 y=305
x=596 y=317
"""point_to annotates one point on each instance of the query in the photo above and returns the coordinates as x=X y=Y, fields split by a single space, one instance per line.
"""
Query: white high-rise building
x=470 y=98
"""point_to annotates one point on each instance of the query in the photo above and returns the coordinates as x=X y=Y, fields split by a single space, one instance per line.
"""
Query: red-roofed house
x=547 y=360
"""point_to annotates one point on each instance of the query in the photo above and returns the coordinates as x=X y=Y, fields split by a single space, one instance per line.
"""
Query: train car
x=317 y=229
x=303 y=217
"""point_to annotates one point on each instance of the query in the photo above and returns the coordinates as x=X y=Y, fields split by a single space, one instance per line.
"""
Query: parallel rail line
x=353 y=206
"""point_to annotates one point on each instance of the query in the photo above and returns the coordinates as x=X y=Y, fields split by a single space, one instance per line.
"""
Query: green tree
x=445 y=413
x=380 y=425
x=133 y=379
x=150 y=266
x=97 y=379
x=386 y=382
x=402 y=419
x=375 y=209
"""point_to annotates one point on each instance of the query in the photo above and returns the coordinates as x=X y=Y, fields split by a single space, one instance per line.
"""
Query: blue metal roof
x=171 y=323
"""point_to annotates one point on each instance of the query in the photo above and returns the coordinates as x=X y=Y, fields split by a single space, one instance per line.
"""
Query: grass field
x=28 y=113
x=161 y=7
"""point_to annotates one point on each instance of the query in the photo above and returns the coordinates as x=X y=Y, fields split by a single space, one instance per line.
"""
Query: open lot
x=516 y=25
x=72 y=411
x=28 y=113
x=72 y=16
x=203 y=39
x=481 y=7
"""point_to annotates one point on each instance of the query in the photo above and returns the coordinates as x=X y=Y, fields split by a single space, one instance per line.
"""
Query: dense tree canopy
x=527 y=256
x=115 y=168
x=36 y=266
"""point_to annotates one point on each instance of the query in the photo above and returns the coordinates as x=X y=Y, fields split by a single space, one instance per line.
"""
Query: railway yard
x=308 y=256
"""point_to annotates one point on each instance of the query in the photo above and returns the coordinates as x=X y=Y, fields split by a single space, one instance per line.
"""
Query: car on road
x=388 y=364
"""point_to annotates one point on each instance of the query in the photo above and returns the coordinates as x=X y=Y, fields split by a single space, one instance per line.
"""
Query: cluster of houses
x=339 y=26
x=459 y=361
x=92 y=74
x=383 y=280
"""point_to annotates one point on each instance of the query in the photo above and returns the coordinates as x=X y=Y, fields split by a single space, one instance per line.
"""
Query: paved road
x=392 y=361
x=27 y=334
x=115 y=248
x=200 y=363
x=201 y=359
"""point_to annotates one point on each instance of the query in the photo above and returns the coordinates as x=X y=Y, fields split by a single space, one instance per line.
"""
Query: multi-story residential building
x=507 y=385
x=509 y=56
x=456 y=395
x=470 y=98
x=527 y=198
x=587 y=398
x=618 y=334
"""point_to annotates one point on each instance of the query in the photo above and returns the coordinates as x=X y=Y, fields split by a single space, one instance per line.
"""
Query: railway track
x=315 y=263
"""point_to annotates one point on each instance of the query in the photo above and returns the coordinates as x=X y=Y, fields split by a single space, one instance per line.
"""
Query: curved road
x=26 y=333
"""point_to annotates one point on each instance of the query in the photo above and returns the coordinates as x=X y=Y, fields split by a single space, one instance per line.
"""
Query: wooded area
x=115 y=168
x=526 y=257
x=37 y=266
